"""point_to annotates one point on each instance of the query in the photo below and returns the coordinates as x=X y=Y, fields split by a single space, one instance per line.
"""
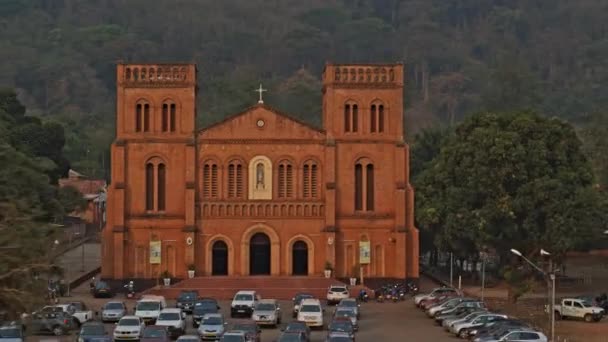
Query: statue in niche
x=259 y=176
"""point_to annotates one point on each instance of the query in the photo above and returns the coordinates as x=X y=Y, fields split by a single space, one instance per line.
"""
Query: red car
x=155 y=333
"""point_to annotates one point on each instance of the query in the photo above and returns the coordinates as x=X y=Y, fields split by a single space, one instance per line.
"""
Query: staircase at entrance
x=225 y=287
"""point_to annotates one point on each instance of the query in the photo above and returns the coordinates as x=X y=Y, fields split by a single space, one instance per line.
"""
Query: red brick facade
x=260 y=192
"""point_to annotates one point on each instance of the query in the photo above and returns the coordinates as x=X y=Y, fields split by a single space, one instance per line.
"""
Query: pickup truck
x=579 y=309
x=77 y=310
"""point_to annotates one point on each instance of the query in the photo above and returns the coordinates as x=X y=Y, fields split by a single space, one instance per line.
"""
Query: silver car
x=267 y=312
x=350 y=314
x=352 y=304
x=212 y=327
x=189 y=338
x=113 y=311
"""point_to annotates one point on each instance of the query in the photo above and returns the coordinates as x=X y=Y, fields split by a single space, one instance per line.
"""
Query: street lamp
x=548 y=276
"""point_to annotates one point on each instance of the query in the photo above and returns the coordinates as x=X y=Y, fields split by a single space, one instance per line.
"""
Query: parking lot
x=381 y=322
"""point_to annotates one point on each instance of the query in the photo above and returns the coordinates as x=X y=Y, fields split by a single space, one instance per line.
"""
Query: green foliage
x=510 y=181
x=71 y=199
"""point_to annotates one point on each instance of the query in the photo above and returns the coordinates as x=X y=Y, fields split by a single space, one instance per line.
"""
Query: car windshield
x=148 y=306
x=213 y=320
x=247 y=327
x=232 y=338
x=208 y=307
x=290 y=338
x=113 y=306
x=10 y=332
x=345 y=313
x=348 y=303
x=265 y=307
x=188 y=339
x=310 y=308
x=472 y=316
x=339 y=339
x=296 y=326
x=101 y=285
x=301 y=296
x=95 y=330
x=243 y=297
x=187 y=296
x=337 y=289
x=586 y=303
x=155 y=333
x=341 y=326
x=129 y=322
x=169 y=316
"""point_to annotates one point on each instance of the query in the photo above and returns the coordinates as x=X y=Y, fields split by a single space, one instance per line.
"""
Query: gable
x=261 y=122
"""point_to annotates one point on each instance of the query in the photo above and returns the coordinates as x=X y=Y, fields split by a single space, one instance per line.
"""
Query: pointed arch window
x=138 y=117
x=235 y=179
x=364 y=186
x=165 y=118
x=172 y=117
x=156 y=185
x=210 y=180
x=310 y=179
x=169 y=117
x=285 y=180
x=146 y=117
x=351 y=117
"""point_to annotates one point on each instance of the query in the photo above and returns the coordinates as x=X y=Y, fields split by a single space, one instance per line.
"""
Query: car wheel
x=462 y=333
x=57 y=330
x=588 y=318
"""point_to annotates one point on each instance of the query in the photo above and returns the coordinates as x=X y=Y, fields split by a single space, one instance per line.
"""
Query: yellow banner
x=364 y=252
x=155 y=248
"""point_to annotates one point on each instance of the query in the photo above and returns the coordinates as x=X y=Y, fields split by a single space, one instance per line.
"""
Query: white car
x=520 y=335
x=149 y=307
x=336 y=293
x=311 y=312
x=129 y=328
x=243 y=303
x=437 y=292
x=174 y=319
x=460 y=328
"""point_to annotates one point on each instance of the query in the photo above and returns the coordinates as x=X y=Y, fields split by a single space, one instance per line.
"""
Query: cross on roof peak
x=260 y=90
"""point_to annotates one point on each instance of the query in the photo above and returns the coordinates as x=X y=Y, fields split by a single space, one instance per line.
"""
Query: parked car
x=243 y=303
x=267 y=312
x=342 y=325
x=149 y=307
x=351 y=303
x=515 y=335
x=298 y=327
x=494 y=327
x=449 y=323
x=336 y=336
x=336 y=293
x=437 y=301
x=233 y=336
x=155 y=333
x=461 y=329
x=202 y=307
x=455 y=314
x=102 y=290
x=452 y=302
x=579 y=309
x=311 y=313
x=174 y=319
x=12 y=332
x=436 y=293
x=296 y=302
x=467 y=304
x=68 y=309
x=253 y=333
x=292 y=336
x=212 y=326
x=56 y=322
x=129 y=328
x=93 y=331
x=113 y=311
x=186 y=300
x=349 y=313
x=188 y=338
x=81 y=312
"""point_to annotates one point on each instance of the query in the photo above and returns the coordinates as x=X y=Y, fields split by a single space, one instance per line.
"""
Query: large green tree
x=505 y=181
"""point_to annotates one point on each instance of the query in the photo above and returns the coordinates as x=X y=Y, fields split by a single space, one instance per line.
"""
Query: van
x=311 y=312
x=149 y=307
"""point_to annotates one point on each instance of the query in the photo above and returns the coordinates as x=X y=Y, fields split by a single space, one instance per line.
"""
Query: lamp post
x=549 y=277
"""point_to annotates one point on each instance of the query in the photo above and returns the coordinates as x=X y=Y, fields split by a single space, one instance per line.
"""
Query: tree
x=71 y=199
x=505 y=181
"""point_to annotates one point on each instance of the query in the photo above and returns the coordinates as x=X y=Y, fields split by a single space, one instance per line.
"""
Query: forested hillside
x=462 y=55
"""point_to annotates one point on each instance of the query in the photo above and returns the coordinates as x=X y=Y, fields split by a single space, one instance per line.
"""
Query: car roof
x=174 y=310
x=130 y=316
x=92 y=323
x=156 y=327
x=268 y=301
x=183 y=337
x=115 y=301
x=213 y=315
x=250 y=292
x=339 y=333
x=310 y=301
x=235 y=332
x=338 y=285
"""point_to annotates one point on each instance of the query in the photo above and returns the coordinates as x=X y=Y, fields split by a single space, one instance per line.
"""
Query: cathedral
x=260 y=193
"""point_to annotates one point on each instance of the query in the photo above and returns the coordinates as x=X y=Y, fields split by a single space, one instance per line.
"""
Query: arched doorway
x=299 y=258
x=259 y=254
x=219 y=258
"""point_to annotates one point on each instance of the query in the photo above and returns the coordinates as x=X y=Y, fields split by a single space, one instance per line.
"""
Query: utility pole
x=451 y=269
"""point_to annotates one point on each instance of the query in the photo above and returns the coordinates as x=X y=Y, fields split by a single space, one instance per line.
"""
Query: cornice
x=154 y=215
x=155 y=140
x=157 y=84
x=261 y=141
x=366 y=216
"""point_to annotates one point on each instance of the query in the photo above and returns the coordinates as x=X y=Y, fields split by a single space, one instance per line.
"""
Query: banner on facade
x=364 y=252
x=155 y=248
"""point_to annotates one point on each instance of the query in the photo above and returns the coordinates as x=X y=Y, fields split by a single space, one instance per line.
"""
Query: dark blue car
x=93 y=332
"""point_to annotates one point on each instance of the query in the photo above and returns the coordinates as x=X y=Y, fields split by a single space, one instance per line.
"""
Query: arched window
x=285 y=180
x=138 y=114
x=146 y=117
x=235 y=179
x=310 y=179
x=376 y=118
x=381 y=118
x=149 y=186
x=351 y=117
x=210 y=178
x=161 y=187
x=364 y=185
x=165 y=118
x=372 y=118
x=172 y=118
